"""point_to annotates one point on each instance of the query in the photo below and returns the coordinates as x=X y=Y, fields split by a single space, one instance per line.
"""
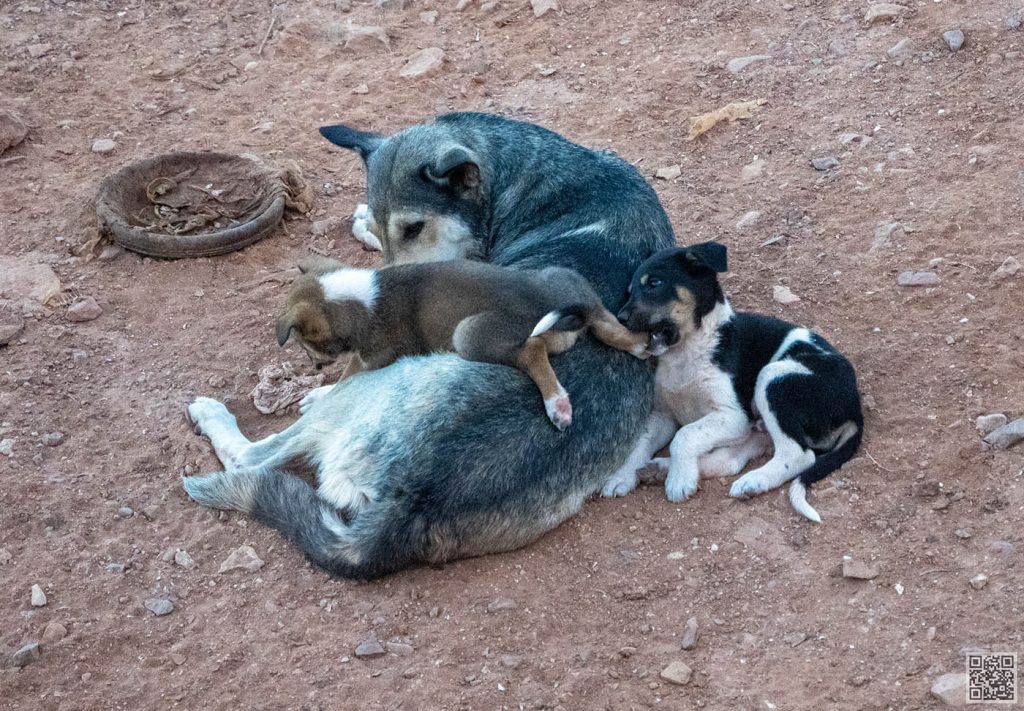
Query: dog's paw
x=361 y=220
x=679 y=487
x=621 y=483
x=312 y=397
x=750 y=484
x=205 y=410
x=559 y=410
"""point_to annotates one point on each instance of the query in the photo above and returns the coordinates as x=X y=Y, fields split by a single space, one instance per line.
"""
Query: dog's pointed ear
x=362 y=142
x=456 y=169
x=285 y=326
x=319 y=265
x=710 y=255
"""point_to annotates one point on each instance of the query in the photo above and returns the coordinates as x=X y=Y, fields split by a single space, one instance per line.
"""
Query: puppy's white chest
x=689 y=386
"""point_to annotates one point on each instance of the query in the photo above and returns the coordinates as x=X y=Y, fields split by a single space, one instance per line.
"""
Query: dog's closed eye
x=412 y=230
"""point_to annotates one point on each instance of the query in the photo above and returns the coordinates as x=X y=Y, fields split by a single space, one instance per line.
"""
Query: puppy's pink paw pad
x=560 y=412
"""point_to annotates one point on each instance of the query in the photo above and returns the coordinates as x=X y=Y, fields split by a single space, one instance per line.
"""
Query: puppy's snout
x=624 y=315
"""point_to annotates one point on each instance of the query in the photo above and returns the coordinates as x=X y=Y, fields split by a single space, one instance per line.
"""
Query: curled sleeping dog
x=482 y=312
x=720 y=370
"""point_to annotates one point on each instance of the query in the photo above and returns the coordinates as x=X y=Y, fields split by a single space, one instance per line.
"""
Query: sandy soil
x=598 y=606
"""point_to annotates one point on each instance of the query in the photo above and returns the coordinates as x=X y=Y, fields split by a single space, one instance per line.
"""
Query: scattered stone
x=911 y=278
x=542 y=7
x=825 y=163
x=126 y=512
x=38 y=596
x=21 y=277
x=511 y=661
x=7 y=447
x=859 y=570
x=748 y=220
x=53 y=439
x=84 y=309
x=35 y=51
x=116 y=568
x=1014 y=20
x=103 y=145
x=1006 y=436
x=217 y=381
x=11 y=326
x=954 y=39
x=183 y=560
x=54 y=632
x=926 y=489
x=989 y=423
x=501 y=603
x=370 y=648
x=783 y=295
x=177 y=659
x=677 y=673
x=110 y=253
x=242 y=558
x=1003 y=548
x=387 y=5
x=627 y=652
x=361 y=89
x=691 y=633
x=428 y=17
x=462 y=5
x=737 y=65
x=883 y=12
x=669 y=172
x=963 y=533
x=885 y=232
x=1007 y=269
x=979 y=581
x=951 y=689
x=159 y=606
x=365 y=37
x=5 y=556
x=752 y=170
x=400 y=648
x=26 y=655
x=902 y=50
x=251 y=66
x=794 y=639
x=12 y=130
x=423 y=63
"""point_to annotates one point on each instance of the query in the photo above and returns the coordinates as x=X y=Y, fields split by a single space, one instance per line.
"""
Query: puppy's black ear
x=362 y=142
x=710 y=255
x=455 y=169
x=285 y=326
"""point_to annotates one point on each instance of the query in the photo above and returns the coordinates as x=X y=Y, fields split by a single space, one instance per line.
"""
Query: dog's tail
x=290 y=505
x=569 y=318
x=822 y=467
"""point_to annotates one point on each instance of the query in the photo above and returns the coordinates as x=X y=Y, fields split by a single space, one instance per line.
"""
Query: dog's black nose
x=624 y=316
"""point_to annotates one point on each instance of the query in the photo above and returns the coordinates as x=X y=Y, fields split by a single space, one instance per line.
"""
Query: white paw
x=312 y=397
x=361 y=220
x=660 y=462
x=559 y=410
x=640 y=351
x=204 y=411
x=750 y=484
x=621 y=483
x=679 y=486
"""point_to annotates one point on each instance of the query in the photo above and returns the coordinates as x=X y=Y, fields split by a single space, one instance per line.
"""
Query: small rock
x=12 y=130
x=883 y=12
x=39 y=50
x=7 y=447
x=794 y=639
x=911 y=278
x=53 y=439
x=954 y=39
x=387 y=5
x=501 y=603
x=752 y=170
x=365 y=37
x=126 y=512
x=748 y=220
x=54 y=632
x=251 y=66
x=242 y=558
x=627 y=652
x=1006 y=436
x=159 y=606
x=361 y=89
x=26 y=655
x=825 y=163
x=783 y=295
x=370 y=648
x=11 y=325
x=5 y=556
x=462 y=5
x=989 y=423
x=424 y=62
x=400 y=648
x=110 y=253
x=38 y=597
x=838 y=47
x=183 y=559
x=670 y=172
x=1003 y=548
x=84 y=309
x=951 y=689
x=428 y=17
x=511 y=661
x=542 y=7
x=217 y=381
x=1014 y=20
x=737 y=65
x=103 y=145
x=26 y=278
x=859 y=570
x=885 y=232
x=902 y=50
x=926 y=489
x=677 y=673
x=691 y=632
x=962 y=533
x=177 y=659
x=1007 y=269
x=979 y=581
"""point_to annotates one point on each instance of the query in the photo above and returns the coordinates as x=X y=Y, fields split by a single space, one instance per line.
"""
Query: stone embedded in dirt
x=542 y=7
x=11 y=325
x=126 y=512
x=783 y=295
x=883 y=12
x=926 y=489
x=737 y=65
x=986 y=424
x=423 y=63
x=400 y=648
x=177 y=659
x=159 y=606
x=954 y=39
x=885 y=232
x=979 y=581
x=38 y=597
x=361 y=89
x=26 y=655
x=53 y=439
x=12 y=130
x=462 y=5
x=1003 y=548
x=7 y=446
x=182 y=559
x=110 y=253
x=5 y=556
x=54 y=632
x=859 y=570
x=387 y=5
x=912 y=278
x=1015 y=19
x=794 y=639
x=627 y=652
x=951 y=689
x=41 y=49
x=84 y=309
x=26 y=278
x=691 y=632
x=428 y=17
x=748 y=220
x=370 y=648
x=217 y=381
x=1006 y=436
x=669 y=172
x=511 y=661
x=103 y=145
x=1007 y=269
x=501 y=603
x=963 y=533
x=365 y=37
x=677 y=673
x=242 y=558
x=825 y=163
x=902 y=50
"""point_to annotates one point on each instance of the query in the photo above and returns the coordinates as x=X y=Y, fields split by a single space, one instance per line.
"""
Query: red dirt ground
x=600 y=603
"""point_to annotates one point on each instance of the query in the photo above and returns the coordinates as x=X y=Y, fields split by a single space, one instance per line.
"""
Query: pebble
x=52 y=439
x=677 y=673
x=669 y=172
x=1014 y=20
x=691 y=632
x=370 y=648
x=217 y=381
x=511 y=661
x=159 y=606
x=859 y=570
x=989 y=423
x=883 y=12
x=26 y=278
x=911 y=278
x=542 y=7
x=979 y=581
x=35 y=51
x=10 y=328
x=400 y=648
x=84 y=309
x=884 y=234
x=748 y=220
x=627 y=652
x=825 y=163
x=251 y=66
x=7 y=447
x=110 y=253
x=951 y=689
x=926 y=489
x=126 y=512
x=1006 y=436
x=794 y=639
x=501 y=603
x=26 y=655
x=423 y=63
x=242 y=558
x=954 y=39
x=963 y=533
x=737 y=65
x=183 y=560
x=361 y=89
x=54 y=632
x=902 y=50
x=103 y=145
x=5 y=556
x=429 y=17
x=386 y=5
x=365 y=37
x=752 y=170
x=1004 y=548
x=783 y=295
x=38 y=597
x=1007 y=269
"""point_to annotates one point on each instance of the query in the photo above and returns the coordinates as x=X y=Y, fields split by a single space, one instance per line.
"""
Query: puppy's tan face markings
x=424 y=237
x=308 y=320
x=683 y=311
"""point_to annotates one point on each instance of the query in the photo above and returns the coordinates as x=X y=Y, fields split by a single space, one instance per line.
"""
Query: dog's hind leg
x=660 y=428
x=721 y=427
x=730 y=460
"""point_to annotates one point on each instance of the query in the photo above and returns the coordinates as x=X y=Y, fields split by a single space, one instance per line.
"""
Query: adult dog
x=436 y=458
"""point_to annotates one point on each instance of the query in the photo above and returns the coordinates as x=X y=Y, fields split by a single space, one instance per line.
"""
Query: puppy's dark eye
x=652 y=283
x=412 y=231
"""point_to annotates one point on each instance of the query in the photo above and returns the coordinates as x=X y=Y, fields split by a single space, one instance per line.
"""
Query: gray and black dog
x=434 y=457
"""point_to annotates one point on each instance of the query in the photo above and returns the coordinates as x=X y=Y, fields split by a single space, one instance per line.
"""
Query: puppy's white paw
x=750 y=484
x=640 y=351
x=661 y=463
x=680 y=486
x=621 y=483
x=312 y=397
x=204 y=411
x=361 y=220
x=559 y=410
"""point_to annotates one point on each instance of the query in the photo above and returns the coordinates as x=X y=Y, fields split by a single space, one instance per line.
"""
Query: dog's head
x=425 y=190
x=672 y=291
x=328 y=308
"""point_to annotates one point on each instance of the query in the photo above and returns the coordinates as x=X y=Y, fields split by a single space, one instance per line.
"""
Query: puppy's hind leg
x=730 y=460
x=533 y=358
x=607 y=329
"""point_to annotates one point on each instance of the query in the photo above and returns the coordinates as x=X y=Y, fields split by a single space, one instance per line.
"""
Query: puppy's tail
x=822 y=467
x=569 y=318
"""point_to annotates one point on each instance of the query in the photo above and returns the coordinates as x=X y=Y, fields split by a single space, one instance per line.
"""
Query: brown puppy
x=480 y=311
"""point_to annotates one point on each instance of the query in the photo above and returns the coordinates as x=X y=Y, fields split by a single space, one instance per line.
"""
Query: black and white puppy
x=720 y=371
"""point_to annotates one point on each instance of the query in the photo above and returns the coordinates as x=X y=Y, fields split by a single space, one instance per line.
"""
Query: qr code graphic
x=992 y=678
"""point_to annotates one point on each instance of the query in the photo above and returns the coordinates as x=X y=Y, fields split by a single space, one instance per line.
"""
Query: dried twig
x=270 y=28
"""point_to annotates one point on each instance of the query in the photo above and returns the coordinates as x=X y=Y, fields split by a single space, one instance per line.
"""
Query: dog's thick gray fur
x=435 y=458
